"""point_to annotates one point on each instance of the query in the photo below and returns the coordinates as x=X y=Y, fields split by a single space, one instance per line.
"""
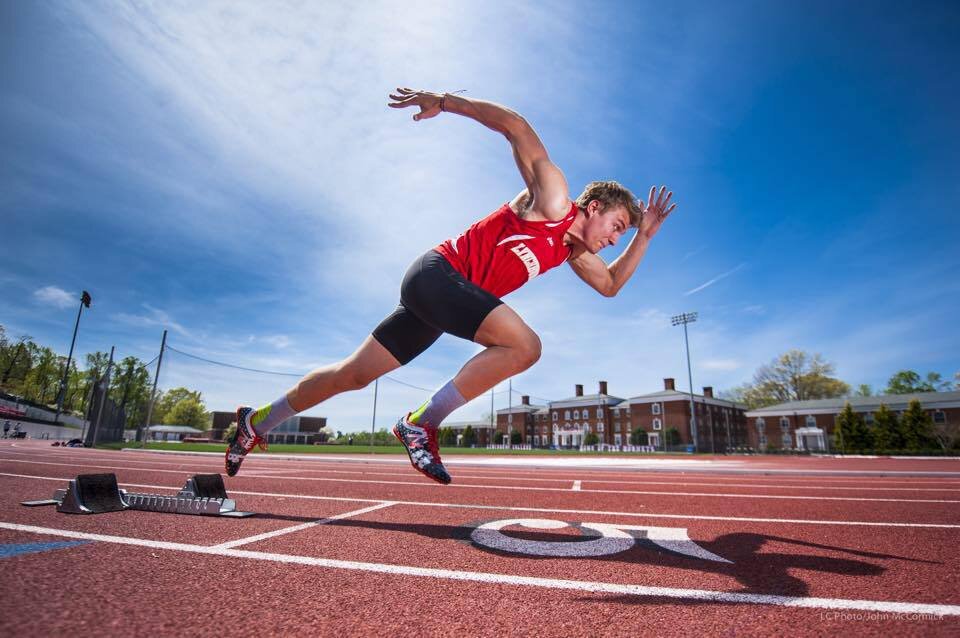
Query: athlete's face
x=605 y=229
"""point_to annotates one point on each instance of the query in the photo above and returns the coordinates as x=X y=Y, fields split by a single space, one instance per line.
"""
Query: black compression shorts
x=434 y=298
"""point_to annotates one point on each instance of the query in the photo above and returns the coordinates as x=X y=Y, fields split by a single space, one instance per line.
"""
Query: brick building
x=721 y=424
x=808 y=425
x=526 y=418
x=484 y=431
x=296 y=429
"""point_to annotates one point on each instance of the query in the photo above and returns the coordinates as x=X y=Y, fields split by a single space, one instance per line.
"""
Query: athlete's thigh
x=402 y=336
x=504 y=327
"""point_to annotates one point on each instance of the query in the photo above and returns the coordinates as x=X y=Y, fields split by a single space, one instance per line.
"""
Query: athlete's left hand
x=655 y=211
x=428 y=102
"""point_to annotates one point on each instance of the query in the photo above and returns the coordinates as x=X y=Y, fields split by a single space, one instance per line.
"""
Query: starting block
x=203 y=494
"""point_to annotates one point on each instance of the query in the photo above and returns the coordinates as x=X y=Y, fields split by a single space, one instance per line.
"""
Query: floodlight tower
x=84 y=301
x=685 y=318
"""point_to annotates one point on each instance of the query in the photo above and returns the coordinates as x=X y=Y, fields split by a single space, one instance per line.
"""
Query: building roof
x=520 y=408
x=174 y=429
x=587 y=399
x=676 y=395
x=929 y=400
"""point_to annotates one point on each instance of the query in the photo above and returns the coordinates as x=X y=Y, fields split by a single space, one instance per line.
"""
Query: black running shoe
x=421 y=445
x=244 y=439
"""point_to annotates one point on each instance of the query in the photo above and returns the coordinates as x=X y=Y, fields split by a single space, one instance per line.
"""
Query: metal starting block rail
x=203 y=495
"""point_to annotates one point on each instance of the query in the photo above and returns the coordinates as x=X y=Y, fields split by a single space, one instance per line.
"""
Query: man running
x=457 y=286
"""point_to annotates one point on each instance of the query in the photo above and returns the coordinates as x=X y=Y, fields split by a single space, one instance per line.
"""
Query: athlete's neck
x=574 y=235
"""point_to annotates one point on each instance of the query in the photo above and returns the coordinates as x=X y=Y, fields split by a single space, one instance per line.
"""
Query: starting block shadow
x=203 y=494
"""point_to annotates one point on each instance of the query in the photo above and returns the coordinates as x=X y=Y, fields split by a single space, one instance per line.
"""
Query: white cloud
x=54 y=296
x=154 y=317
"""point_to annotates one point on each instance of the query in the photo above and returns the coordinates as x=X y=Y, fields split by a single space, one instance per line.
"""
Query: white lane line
x=476 y=486
x=510 y=508
x=576 y=486
x=297 y=528
x=545 y=474
x=510 y=579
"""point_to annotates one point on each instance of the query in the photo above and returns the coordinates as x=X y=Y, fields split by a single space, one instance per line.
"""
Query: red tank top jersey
x=501 y=252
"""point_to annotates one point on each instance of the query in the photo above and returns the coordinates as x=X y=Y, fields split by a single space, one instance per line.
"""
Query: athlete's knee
x=352 y=377
x=528 y=350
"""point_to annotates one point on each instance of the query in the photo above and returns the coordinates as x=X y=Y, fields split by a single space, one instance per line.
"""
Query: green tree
x=591 y=439
x=639 y=437
x=672 y=436
x=864 y=390
x=15 y=361
x=43 y=380
x=909 y=382
x=917 y=428
x=166 y=400
x=188 y=412
x=130 y=389
x=886 y=430
x=849 y=430
x=447 y=436
x=793 y=376
x=516 y=438
x=469 y=436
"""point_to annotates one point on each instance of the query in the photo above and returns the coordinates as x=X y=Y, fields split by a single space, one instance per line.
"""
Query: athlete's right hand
x=428 y=102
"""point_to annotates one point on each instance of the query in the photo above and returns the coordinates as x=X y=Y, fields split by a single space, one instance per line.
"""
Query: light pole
x=685 y=318
x=84 y=301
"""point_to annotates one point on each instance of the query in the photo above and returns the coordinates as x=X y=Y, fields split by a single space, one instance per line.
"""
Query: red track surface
x=813 y=546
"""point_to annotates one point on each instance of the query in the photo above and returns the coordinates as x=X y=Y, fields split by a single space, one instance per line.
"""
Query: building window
x=599 y=413
x=760 y=423
x=784 y=423
x=617 y=439
x=811 y=421
x=576 y=414
x=656 y=408
x=566 y=414
x=657 y=424
x=939 y=416
x=787 y=442
x=616 y=427
x=556 y=415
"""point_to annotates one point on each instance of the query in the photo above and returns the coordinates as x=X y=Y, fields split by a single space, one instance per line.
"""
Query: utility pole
x=684 y=319
x=153 y=393
x=84 y=301
x=373 y=422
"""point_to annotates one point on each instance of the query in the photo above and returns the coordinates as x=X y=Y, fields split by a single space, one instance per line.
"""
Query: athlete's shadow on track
x=757 y=571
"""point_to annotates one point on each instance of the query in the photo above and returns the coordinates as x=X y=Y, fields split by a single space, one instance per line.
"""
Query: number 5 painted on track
x=613 y=539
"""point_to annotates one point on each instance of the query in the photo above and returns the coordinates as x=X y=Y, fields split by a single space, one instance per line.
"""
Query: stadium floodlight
x=84 y=301
x=684 y=319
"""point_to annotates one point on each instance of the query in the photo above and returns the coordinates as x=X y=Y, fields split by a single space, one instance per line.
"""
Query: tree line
x=798 y=376
x=34 y=372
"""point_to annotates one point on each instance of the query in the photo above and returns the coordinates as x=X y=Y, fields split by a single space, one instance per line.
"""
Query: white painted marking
x=576 y=486
x=508 y=508
x=297 y=528
x=475 y=486
x=614 y=539
x=509 y=579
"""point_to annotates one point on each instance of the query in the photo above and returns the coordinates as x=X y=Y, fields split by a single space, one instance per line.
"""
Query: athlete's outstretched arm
x=608 y=280
x=545 y=182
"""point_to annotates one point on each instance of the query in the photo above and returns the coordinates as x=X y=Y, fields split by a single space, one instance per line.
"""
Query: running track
x=608 y=546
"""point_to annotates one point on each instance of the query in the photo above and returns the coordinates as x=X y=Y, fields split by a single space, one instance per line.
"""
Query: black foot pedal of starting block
x=87 y=494
x=204 y=486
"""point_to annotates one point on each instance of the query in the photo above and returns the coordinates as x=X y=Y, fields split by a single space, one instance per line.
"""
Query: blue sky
x=230 y=172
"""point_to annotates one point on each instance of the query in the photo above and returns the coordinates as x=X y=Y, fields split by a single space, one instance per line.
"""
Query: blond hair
x=611 y=194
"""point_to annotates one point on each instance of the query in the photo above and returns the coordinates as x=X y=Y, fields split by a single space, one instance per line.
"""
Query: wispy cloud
x=154 y=317
x=53 y=296
x=713 y=281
